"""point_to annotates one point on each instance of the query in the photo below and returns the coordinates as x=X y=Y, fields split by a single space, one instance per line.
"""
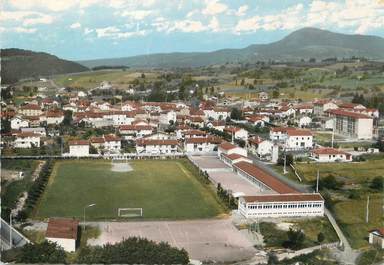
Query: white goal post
x=130 y=212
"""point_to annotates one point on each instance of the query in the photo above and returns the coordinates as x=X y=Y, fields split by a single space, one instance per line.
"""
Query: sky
x=91 y=29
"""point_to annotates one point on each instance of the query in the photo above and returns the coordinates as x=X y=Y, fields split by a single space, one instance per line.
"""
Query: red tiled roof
x=62 y=228
x=350 y=114
x=380 y=231
x=227 y=146
x=156 y=142
x=199 y=140
x=234 y=156
x=264 y=177
x=78 y=142
x=330 y=151
x=194 y=132
x=299 y=132
x=111 y=138
x=284 y=197
x=232 y=129
x=31 y=106
x=135 y=127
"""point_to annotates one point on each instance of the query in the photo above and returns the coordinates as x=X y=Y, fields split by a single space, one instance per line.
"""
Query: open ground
x=211 y=240
x=165 y=189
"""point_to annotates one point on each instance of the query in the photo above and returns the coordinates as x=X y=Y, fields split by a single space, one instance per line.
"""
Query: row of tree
x=36 y=190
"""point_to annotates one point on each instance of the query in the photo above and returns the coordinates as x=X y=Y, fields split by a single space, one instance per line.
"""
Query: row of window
x=289 y=206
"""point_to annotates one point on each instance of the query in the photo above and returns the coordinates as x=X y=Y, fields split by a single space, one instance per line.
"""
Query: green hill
x=18 y=64
x=301 y=44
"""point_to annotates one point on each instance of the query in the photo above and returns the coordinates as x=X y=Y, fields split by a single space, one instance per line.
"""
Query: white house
x=18 y=122
x=260 y=147
x=282 y=205
x=156 y=146
x=228 y=148
x=304 y=121
x=166 y=117
x=112 y=143
x=79 y=148
x=35 y=130
x=27 y=140
x=237 y=133
x=217 y=125
x=130 y=132
x=54 y=117
x=376 y=237
x=63 y=232
x=201 y=144
x=298 y=139
x=30 y=110
x=331 y=155
x=234 y=158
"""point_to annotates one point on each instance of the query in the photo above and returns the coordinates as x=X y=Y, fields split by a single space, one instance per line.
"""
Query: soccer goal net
x=130 y=212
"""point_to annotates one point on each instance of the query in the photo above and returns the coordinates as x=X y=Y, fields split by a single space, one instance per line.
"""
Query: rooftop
x=62 y=228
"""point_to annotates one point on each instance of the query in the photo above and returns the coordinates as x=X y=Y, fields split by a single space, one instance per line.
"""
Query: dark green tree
x=45 y=252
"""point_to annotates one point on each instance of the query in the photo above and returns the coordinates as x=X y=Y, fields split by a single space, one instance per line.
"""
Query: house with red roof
x=156 y=146
x=201 y=144
x=260 y=147
x=376 y=237
x=328 y=154
x=78 y=148
x=63 y=232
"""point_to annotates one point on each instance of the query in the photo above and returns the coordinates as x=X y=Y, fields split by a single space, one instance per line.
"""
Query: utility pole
x=333 y=134
x=317 y=181
x=367 y=216
x=285 y=163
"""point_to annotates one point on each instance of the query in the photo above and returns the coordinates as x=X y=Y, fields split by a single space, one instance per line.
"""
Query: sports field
x=164 y=189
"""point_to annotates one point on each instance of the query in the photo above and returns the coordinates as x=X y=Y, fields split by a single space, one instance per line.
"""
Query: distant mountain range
x=17 y=64
x=301 y=44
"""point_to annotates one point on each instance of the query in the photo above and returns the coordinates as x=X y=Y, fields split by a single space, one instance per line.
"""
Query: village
x=249 y=148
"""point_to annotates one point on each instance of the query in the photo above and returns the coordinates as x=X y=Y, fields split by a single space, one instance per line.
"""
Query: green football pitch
x=165 y=189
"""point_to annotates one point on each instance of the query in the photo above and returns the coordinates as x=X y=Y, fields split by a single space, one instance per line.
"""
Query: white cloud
x=115 y=33
x=18 y=29
x=40 y=19
x=241 y=11
x=26 y=18
x=249 y=24
x=136 y=14
x=88 y=31
x=214 y=7
x=53 y=5
x=187 y=26
x=214 y=24
x=75 y=25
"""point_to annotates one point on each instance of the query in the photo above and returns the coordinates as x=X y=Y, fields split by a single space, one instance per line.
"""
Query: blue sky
x=89 y=29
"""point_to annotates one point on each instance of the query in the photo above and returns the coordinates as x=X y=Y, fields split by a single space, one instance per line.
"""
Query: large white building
x=298 y=139
x=282 y=205
x=260 y=147
x=63 y=232
x=79 y=148
x=201 y=144
x=27 y=140
x=351 y=124
x=156 y=146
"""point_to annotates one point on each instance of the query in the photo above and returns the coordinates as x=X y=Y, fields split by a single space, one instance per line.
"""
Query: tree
x=67 y=121
x=236 y=114
x=377 y=183
x=330 y=182
x=133 y=250
x=46 y=252
x=320 y=237
x=272 y=259
x=275 y=93
x=295 y=238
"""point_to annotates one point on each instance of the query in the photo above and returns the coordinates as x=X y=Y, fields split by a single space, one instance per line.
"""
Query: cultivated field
x=164 y=189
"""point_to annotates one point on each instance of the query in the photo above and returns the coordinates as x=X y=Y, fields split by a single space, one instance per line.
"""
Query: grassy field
x=93 y=79
x=355 y=172
x=350 y=214
x=164 y=189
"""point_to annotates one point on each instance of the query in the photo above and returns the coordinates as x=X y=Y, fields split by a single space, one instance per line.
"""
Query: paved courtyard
x=216 y=240
x=231 y=181
x=209 y=163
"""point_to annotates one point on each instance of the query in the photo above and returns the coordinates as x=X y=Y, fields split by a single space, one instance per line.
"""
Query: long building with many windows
x=282 y=205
